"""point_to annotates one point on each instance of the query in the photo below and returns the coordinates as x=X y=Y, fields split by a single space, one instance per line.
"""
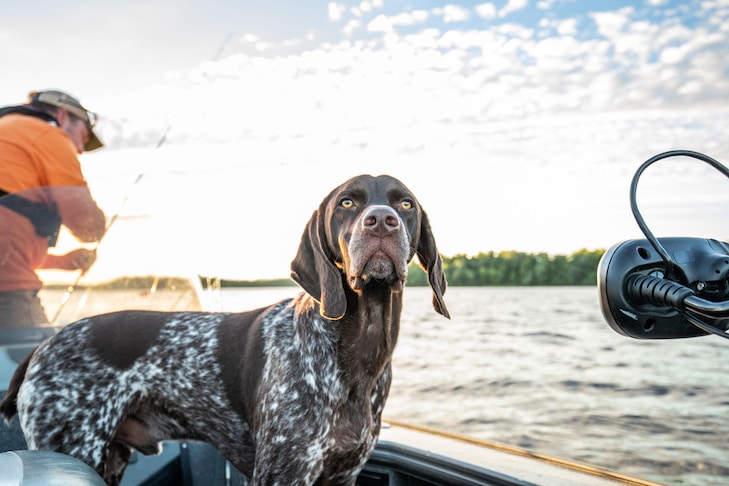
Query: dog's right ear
x=314 y=271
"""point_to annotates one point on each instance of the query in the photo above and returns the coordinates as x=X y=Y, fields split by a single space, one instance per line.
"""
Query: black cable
x=696 y=321
x=634 y=205
x=663 y=291
x=667 y=293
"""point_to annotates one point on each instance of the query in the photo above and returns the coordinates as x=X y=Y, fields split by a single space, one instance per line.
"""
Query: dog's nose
x=380 y=220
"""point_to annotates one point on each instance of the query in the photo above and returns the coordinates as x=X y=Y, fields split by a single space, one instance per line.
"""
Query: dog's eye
x=406 y=205
x=346 y=203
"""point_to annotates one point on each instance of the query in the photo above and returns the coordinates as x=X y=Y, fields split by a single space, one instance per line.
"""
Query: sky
x=518 y=124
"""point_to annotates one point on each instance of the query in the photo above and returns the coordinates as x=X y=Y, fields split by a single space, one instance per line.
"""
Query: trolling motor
x=669 y=287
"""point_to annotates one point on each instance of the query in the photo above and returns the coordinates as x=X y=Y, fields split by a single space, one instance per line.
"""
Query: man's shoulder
x=37 y=130
x=19 y=122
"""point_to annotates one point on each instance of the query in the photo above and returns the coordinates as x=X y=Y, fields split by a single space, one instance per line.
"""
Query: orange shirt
x=36 y=154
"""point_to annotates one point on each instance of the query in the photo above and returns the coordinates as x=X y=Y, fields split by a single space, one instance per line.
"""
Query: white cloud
x=611 y=23
x=385 y=23
x=454 y=13
x=351 y=27
x=512 y=6
x=561 y=26
x=335 y=11
x=502 y=72
x=381 y=23
x=567 y=27
x=486 y=10
x=717 y=6
x=418 y=71
x=420 y=16
x=513 y=30
x=250 y=38
x=368 y=6
x=674 y=55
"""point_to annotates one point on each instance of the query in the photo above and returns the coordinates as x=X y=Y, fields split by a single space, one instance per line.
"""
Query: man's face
x=76 y=128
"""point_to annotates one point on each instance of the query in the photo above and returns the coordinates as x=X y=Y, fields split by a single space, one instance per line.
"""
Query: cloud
x=385 y=23
x=611 y=23
x=567 y=27
x=486 y=10
x=335 y=11
x=351 y=27
x=366 y=6
x=608 y=88
x=512 y=6
x=452 y=13
x=502 y=72
x=373 y=4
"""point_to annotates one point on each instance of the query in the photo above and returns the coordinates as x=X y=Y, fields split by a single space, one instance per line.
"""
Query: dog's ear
x=432 y=263
x=314 y=271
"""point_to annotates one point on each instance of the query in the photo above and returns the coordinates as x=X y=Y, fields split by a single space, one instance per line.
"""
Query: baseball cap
x=74 y=107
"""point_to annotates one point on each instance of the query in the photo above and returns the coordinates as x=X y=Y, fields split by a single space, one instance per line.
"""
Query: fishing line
x=70 y=289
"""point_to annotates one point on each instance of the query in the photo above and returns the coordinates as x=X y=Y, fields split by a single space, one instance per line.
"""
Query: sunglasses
x=90 y=120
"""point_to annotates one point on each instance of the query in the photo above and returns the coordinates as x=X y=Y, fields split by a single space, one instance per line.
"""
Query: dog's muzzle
x=378 y=249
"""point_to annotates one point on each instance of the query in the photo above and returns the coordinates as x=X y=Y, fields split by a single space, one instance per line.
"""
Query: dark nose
x=380 y=220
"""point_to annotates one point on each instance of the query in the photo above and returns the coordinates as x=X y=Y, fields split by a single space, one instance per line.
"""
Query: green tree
x=515 y=268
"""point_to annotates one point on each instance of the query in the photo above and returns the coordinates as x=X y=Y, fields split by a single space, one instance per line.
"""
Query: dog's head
x=365 y=232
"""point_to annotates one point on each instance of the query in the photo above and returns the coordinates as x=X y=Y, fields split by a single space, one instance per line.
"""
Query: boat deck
x=506 y=464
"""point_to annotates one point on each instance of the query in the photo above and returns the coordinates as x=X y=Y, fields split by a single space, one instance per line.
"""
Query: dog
x=291 y=393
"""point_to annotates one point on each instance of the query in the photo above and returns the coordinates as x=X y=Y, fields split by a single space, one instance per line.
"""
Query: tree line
x=516 y=268
x=490 y=268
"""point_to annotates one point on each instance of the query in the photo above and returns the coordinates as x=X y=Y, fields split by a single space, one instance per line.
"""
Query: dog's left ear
x=431 y=262
x=314 y=271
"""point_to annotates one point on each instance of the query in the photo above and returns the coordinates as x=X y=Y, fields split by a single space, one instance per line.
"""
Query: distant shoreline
x=503 y=269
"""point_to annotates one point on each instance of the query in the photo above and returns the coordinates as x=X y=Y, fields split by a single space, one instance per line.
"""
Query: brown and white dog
x=291 y=393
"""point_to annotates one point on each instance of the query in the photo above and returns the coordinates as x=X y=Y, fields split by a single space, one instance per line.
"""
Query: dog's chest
x=300 y=358
x=309 y=392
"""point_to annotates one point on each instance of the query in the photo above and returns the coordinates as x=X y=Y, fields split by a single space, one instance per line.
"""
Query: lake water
x=538 y=368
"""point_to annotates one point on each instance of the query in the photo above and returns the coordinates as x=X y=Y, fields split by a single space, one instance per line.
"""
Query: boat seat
x=15 y=344
x=19 y=342
x=43 y=468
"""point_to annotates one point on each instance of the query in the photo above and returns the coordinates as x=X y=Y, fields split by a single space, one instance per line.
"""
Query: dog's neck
x=369 y=329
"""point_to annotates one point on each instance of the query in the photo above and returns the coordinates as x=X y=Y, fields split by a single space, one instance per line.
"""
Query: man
x=42 y=187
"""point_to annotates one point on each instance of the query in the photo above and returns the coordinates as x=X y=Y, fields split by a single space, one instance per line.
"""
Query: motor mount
x=639 y=300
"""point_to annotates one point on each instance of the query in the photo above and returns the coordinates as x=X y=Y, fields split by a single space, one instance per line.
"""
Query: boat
x=406 y=454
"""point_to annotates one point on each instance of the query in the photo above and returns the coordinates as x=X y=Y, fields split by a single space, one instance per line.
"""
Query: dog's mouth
x=379 y=267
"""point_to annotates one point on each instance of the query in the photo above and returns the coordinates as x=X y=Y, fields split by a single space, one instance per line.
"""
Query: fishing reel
x=669 y=287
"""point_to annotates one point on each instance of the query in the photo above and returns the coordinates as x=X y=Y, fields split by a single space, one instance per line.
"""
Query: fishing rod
x=70 y=289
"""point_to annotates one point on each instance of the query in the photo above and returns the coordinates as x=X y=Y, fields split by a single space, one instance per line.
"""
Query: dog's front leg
x=284 y=466
x=116 y=462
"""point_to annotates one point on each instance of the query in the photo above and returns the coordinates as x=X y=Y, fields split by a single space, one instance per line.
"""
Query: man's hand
x=80 y=259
